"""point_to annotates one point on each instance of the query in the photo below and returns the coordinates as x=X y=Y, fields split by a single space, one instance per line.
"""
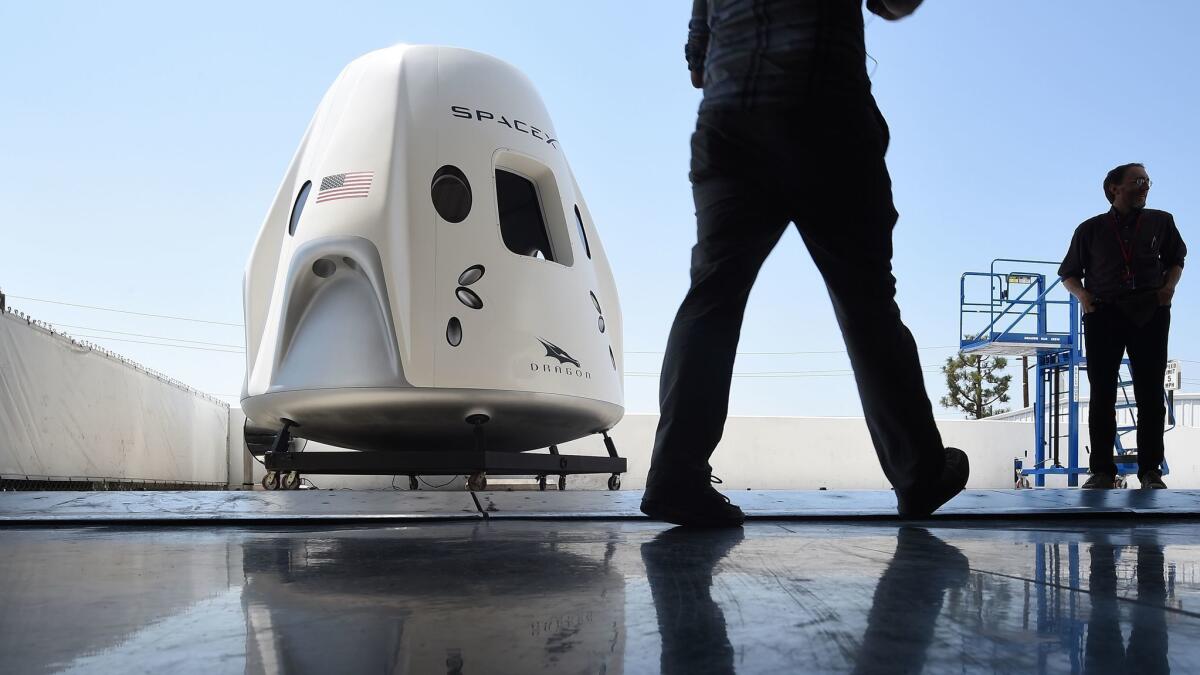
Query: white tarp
x=67 y=410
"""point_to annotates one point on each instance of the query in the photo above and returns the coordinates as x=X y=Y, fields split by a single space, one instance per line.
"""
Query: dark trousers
x=752 y=174
x=1108 y=334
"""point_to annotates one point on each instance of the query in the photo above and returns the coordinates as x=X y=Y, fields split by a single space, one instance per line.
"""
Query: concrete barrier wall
x=68 y=410
x=809 y=453
x=763 y=453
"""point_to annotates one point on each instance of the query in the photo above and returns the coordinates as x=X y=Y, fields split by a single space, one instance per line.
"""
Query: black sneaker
x=691 y=506
x=1152 y=480
x=924 y=499
x=1100 y=481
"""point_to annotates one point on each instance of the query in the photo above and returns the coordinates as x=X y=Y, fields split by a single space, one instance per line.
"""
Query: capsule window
x=451 y=193
x=582 y=233
x=298 y=207
x=522 y=219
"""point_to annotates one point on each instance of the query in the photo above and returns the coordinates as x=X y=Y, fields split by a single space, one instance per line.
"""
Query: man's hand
x=1164 y=296
x=1088 y=302
x=697 y=78
x=892 y=10
x=1075 y=287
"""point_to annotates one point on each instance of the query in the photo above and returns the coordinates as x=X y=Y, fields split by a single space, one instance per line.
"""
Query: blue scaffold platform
x=1021 y=308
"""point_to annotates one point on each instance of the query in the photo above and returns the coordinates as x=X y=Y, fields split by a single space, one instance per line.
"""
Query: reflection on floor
x=529 y=596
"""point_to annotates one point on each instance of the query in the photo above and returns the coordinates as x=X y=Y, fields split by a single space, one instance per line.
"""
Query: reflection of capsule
x=404 y=619
x=428 y=241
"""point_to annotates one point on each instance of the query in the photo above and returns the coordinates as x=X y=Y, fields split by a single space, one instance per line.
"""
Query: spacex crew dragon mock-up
x=428 y=258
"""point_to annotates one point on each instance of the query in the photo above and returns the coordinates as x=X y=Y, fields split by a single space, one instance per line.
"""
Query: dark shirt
x=1095 y=253
x=776 y=53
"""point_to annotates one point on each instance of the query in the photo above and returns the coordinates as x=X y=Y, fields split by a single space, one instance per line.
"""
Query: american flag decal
x=345 y=186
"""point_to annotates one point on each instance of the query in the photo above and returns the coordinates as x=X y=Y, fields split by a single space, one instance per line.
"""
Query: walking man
x=788 y=132
x=1123 y=265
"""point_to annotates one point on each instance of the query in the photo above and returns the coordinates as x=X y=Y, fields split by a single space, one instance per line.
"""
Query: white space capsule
x=427 y=258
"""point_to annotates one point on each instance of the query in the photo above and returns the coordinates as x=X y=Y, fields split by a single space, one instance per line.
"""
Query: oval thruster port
x=600 y=322
x=451 y=194
x=324 y=268
x=595 y=302
x=470 y=275
x=613 y=357
x=454 y=332
x=467 y=297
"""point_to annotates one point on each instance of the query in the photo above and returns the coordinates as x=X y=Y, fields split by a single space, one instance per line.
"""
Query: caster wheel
x=290 y=480
x=477 y=482
x=542 y=483
x=562 y=482
x=270 y=481
x=413 y=484
x=614 y=482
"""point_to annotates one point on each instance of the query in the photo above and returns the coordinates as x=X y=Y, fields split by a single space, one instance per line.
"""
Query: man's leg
x=736 y=230
x=1104 y=340
x=1148 y=362
x=849 y=235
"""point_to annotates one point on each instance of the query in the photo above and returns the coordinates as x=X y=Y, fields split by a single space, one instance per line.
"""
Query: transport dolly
x=286 y=466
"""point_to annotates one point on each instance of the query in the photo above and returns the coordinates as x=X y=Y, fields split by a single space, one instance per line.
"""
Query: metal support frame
x=478 y=462
x=438 y=463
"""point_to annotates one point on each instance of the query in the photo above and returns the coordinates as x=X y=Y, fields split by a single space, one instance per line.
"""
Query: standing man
x=788 y=132
x=1123 y=266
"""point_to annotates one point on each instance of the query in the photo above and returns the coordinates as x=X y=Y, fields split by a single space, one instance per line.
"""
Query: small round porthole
x=454 y=331
x=451 y=193
x=470 y=275
x=468 y=297
x=324 y=268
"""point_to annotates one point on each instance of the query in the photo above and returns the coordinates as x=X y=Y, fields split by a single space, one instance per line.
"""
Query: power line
x=124 y=311
x=159 y=344
x=156 y=337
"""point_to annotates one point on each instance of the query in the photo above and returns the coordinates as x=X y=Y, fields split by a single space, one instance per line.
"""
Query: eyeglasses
x=1142 y=182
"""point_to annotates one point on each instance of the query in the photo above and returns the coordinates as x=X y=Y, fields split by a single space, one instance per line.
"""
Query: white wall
x=808 y=453
x=68 y=410
x=768 y=453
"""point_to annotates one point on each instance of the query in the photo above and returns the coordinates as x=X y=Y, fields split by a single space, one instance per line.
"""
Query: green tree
x=974 y=385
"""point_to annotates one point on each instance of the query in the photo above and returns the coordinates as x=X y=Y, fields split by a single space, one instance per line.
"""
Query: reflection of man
x=679 y=566
x=1123 y=266
x=1105 y=650
x=788 y=132
x=907 y=602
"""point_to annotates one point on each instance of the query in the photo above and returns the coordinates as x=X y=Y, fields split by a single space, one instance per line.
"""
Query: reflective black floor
x=528 y=596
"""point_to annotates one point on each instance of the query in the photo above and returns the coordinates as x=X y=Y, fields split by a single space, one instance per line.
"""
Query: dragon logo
x=557 y=352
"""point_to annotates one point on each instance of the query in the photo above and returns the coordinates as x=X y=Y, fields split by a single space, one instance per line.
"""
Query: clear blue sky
x=141 y=144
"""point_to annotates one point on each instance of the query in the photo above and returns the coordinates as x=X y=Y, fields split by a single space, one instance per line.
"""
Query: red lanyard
x=1127 y=251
